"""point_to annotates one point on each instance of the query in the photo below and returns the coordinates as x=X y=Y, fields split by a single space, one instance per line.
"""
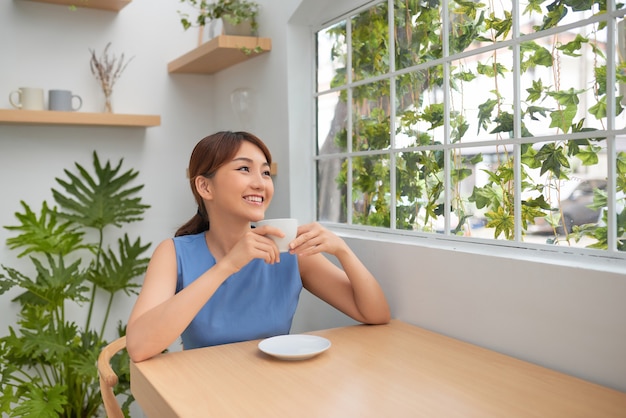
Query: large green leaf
x=44 y=234
x=100 y=201
x=40 y=403
x=117 y=273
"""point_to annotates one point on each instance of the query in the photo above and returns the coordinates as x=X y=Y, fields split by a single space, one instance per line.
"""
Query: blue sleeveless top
x=258 y=301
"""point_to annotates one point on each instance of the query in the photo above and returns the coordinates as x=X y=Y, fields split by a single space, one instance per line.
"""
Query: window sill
x=562 y=256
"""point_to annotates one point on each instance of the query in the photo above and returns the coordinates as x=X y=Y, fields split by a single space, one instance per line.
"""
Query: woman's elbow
x=136 y=350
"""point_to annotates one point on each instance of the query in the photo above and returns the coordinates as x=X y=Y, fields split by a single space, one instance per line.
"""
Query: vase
x=243 y=28
x=108 y=108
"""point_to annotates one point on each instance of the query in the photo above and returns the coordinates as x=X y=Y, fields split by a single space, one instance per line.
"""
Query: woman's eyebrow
x=249 y=160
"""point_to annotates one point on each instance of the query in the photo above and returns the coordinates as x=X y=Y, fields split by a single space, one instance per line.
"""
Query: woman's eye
x=267 y=173
x=244 y=169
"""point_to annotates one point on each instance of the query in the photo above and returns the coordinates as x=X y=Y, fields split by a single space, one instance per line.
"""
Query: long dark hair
x=208 y=155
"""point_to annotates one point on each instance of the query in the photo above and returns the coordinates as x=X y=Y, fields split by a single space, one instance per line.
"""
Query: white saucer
x=294 y=346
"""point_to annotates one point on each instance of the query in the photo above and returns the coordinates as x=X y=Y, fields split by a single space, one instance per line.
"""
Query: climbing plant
x=466 y=113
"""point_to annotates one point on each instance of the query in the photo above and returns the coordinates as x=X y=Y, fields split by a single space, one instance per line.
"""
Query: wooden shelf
x=219 y=53
x=111 y=5
x=49 y=117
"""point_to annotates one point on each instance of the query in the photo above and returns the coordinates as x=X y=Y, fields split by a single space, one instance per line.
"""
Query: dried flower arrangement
x=107 y=71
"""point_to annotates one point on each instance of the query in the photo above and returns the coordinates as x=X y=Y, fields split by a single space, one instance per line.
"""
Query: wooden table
x=395 y=370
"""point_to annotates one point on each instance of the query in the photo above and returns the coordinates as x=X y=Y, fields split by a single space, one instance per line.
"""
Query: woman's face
x=243 y=186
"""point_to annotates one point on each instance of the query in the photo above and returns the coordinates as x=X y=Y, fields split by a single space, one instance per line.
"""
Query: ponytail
x=195 y=225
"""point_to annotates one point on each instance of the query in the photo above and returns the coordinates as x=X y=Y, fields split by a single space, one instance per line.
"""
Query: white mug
x=289 y=226
x=64 y=101
x=28 y=98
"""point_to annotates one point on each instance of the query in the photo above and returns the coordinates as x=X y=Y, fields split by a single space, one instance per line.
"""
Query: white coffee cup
x=64 y=101
x=28 y=98
x=289 y=226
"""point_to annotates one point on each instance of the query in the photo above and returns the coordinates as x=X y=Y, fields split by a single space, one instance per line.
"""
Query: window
x=476 y=121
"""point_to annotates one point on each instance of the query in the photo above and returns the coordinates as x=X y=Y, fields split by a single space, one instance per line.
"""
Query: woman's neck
x=222 y=237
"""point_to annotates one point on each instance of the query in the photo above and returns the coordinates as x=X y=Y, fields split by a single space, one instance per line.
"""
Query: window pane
x=557 y=99
x=552 y=87
x=475 y=24
x=538 y=16
x=417 y=33
x=483 y=192
x=620 y=73
x=370 y=191
x=420 y=187
x=370 y=120
x=370 y=40
x=331 y=123
x=331 y=190
x=331 y=57
x=419 y=108
x=481 y=96
x=565 y=188
x=620 y=196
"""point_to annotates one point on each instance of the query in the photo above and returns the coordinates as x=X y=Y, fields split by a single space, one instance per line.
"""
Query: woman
x=221 y=281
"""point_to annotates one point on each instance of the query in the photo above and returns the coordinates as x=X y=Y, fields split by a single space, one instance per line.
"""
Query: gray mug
x=63 y=101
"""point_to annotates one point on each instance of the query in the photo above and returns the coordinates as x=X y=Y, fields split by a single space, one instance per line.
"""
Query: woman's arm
x=160 y=315
x=353 y=290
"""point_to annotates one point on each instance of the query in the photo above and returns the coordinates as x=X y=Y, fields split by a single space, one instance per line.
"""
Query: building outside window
x=476 y=121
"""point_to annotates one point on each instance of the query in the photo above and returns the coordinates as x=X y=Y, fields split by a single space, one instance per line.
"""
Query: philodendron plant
x=48 y=360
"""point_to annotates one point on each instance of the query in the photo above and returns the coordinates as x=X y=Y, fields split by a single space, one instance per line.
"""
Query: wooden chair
x=108 y=378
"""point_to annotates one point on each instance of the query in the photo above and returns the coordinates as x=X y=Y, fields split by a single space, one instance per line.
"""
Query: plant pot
x=241 y=29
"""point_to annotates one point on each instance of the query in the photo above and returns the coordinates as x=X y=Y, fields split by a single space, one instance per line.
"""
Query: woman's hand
x=254 y=244
x=313 y=238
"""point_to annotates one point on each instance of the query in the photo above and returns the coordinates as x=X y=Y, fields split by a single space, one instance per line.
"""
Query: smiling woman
x=220 y=281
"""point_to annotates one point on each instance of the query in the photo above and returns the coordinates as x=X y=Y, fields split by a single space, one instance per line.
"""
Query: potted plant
x=238 y=16
x=48 y=360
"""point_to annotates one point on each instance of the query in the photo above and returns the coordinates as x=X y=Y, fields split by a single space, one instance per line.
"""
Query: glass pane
x=331 y=123
x=419 y=186
x=331 y=190
x=473 y=23
x=370 y=40
x=331 y=57
x=482 y=192
x=481 y=97
x=565 y=188
x=537 y=16
x=370 y=120
x=620 y=74
x=370 y=190
x=417 y=32
x=620 y=195
x=563 y=83
x=419 y=108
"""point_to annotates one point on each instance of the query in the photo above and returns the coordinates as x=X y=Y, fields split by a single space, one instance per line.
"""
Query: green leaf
x=100 y=201
x=566 y=97
x=491 y=70
x=484 y=113
x=531 y=110
x=117 y=273
x=486 y=196
x=571 y=47
x=505 y=123
x=562 y=118
x=535 y=92
x=44 y=234
x=588 y=155
x=533 y=6
x=40 y=403
x=502 y=221
x=552 y=159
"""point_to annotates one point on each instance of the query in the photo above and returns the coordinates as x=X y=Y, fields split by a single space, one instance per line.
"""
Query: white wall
x=571 y=319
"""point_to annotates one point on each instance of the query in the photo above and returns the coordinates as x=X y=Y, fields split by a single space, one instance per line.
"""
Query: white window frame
x=303 y=200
